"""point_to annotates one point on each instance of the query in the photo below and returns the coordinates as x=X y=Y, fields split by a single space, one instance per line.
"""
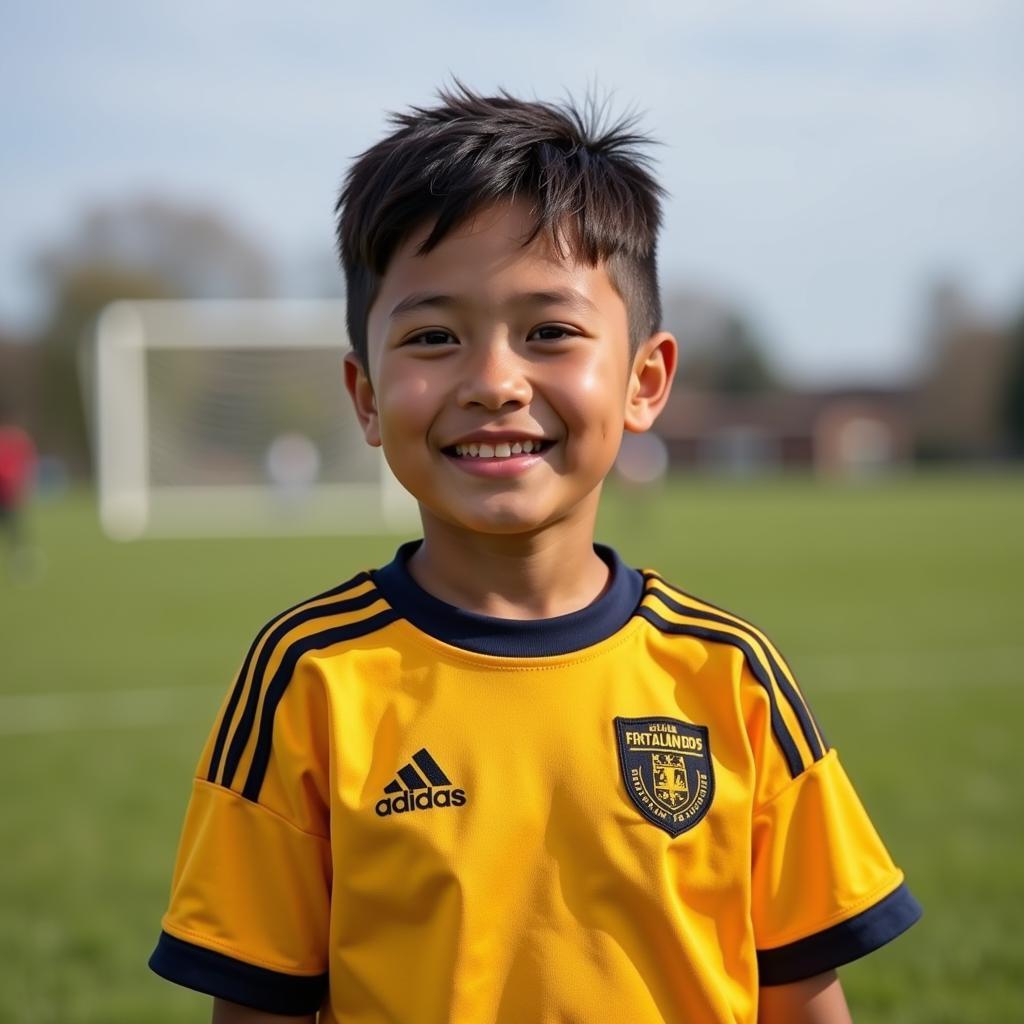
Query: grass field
x=899 y=604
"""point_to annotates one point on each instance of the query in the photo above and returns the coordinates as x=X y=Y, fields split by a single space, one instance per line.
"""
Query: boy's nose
x=494 y=379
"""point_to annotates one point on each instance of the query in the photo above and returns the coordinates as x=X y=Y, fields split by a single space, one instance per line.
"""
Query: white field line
x=24 y=714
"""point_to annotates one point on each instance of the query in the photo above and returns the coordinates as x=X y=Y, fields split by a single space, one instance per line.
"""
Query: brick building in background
x=835 y=433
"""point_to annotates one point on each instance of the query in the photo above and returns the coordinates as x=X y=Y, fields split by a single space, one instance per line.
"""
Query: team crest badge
x=666 y=766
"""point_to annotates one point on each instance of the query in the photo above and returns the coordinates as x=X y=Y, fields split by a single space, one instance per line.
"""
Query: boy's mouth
x=497 y=450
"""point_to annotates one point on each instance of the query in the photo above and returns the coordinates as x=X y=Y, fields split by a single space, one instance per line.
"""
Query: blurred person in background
x=17 y=474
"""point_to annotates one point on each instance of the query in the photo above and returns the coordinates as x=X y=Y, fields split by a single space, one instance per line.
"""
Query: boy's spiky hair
x=589 y=184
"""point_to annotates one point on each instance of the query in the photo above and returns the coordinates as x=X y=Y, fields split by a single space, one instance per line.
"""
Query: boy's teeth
x=501 y=450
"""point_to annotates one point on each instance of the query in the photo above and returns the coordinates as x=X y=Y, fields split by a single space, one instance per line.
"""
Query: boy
x=505 y=777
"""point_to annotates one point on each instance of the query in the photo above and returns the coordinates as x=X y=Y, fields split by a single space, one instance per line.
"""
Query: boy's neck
x=539 y=575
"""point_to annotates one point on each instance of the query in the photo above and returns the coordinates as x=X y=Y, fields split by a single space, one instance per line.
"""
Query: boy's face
x=483 y=346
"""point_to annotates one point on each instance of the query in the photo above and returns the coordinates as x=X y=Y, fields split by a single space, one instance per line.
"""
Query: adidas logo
x=419 y=790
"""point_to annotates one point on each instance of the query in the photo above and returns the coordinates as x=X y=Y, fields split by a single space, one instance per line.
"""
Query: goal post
x=222 y=418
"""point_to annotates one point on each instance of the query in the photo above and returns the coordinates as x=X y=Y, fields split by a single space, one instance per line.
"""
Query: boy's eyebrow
x=556 y=297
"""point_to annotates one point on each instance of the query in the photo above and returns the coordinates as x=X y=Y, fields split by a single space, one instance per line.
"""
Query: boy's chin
x=499 y=519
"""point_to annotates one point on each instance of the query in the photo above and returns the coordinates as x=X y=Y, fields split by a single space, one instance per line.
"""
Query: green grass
x=898 y=603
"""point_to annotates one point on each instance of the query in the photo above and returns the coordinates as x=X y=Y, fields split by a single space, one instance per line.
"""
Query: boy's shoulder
x=677 y=611
x=349 y=610
x=769 y=679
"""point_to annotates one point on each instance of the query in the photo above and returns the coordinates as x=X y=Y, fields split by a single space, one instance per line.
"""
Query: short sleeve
x=824 y=889
x=249 y=912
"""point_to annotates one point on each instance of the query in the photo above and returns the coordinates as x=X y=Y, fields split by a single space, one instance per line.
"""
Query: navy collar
x=512 y=638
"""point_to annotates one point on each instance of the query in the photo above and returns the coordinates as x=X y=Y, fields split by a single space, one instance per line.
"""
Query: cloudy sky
x=825 y=160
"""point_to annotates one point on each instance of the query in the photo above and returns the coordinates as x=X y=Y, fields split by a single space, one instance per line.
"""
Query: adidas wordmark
x=419 y=790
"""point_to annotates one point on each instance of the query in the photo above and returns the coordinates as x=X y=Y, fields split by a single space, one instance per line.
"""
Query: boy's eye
x=553 y=332
x=430 y=338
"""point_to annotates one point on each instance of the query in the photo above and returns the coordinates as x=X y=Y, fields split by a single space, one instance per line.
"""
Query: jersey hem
x=842 y=943
x=224 y=977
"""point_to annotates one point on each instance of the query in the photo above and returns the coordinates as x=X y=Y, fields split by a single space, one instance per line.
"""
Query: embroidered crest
x=666 y=766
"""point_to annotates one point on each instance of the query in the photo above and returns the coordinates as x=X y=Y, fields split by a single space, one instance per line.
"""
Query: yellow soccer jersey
x=409 y=813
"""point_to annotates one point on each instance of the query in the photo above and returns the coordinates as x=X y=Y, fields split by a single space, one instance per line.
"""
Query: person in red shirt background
x=17 y=474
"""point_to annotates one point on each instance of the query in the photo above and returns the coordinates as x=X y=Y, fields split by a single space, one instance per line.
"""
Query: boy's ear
x=650 y=381
x=363 y=399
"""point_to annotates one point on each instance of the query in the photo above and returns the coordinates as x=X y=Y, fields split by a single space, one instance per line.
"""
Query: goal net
x=219 y=418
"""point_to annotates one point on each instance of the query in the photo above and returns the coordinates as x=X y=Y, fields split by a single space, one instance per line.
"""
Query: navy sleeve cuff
x=227 y=978
x=841 y=943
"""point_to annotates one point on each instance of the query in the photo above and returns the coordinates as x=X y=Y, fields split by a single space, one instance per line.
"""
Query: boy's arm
x=232 y=1013
x=249 y=914
x=817 y=1000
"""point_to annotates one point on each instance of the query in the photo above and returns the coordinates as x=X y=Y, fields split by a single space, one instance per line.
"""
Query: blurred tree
x=720 y=350
x=738 y=364
x=1013 y=404
x=147 y=248
x=957 y=406
x=18 y=374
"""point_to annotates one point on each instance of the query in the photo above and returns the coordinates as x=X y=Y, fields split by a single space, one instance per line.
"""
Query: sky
x=826 y=161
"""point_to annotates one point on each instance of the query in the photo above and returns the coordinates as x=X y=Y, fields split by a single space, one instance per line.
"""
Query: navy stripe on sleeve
x=243 y=673
x=225 y=977
x=279 y=683
x=794 y=699
x=843 y=942
x=247 y=719
x=779 y=728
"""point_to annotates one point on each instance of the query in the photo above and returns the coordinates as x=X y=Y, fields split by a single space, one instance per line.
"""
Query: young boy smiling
x=506 y=777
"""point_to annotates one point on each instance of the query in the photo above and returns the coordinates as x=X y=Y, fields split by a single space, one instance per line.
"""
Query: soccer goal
x=227 y=418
